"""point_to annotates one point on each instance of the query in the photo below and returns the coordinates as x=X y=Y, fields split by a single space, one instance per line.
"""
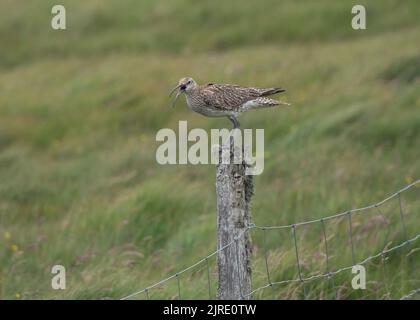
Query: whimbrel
x=225 y=100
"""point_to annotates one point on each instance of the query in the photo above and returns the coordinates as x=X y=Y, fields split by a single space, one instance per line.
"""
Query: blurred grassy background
x=79 y=110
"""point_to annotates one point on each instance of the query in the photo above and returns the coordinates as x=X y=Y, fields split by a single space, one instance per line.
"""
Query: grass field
x=80 y=108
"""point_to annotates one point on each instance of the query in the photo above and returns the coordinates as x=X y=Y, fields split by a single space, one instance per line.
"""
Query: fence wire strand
x=327 y=274
x=411 y=294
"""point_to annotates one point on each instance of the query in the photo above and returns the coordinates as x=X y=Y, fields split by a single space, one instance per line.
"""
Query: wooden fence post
x=234 y=191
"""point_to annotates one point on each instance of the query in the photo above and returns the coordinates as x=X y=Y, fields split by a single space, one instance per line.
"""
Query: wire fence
x=328 y=274
x=411 y=294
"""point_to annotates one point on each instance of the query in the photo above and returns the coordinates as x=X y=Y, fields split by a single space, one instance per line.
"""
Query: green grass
x=79 y=111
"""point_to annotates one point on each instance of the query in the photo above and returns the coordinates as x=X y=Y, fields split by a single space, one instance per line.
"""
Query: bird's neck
x=190 y=96
x=191 y=91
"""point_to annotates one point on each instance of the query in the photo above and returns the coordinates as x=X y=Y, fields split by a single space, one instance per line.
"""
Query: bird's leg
x=235 y=122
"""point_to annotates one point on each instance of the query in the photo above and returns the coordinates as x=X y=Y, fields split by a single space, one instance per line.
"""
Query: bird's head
x=185 y=85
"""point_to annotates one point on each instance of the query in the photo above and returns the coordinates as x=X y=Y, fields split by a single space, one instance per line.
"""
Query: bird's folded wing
x=227 y=96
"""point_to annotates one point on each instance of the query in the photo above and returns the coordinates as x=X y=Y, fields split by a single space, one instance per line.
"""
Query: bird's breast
x=198 y=105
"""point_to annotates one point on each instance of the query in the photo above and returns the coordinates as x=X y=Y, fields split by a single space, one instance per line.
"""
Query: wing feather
x=228 y=96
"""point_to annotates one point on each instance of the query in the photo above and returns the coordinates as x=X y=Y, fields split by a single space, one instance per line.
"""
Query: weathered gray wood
x=234 y=191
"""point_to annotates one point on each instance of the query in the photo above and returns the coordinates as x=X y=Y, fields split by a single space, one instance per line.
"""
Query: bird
x=224 y=100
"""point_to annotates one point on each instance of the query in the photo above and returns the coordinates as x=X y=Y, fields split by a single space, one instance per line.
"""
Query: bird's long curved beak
x=172 y=91
x=176 y=97
x=177 y=94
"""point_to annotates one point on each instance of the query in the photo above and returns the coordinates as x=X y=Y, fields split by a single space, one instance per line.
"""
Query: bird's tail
x=267 y=102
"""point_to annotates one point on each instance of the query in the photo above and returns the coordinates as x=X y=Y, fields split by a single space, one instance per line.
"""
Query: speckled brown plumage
x=218 y=100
